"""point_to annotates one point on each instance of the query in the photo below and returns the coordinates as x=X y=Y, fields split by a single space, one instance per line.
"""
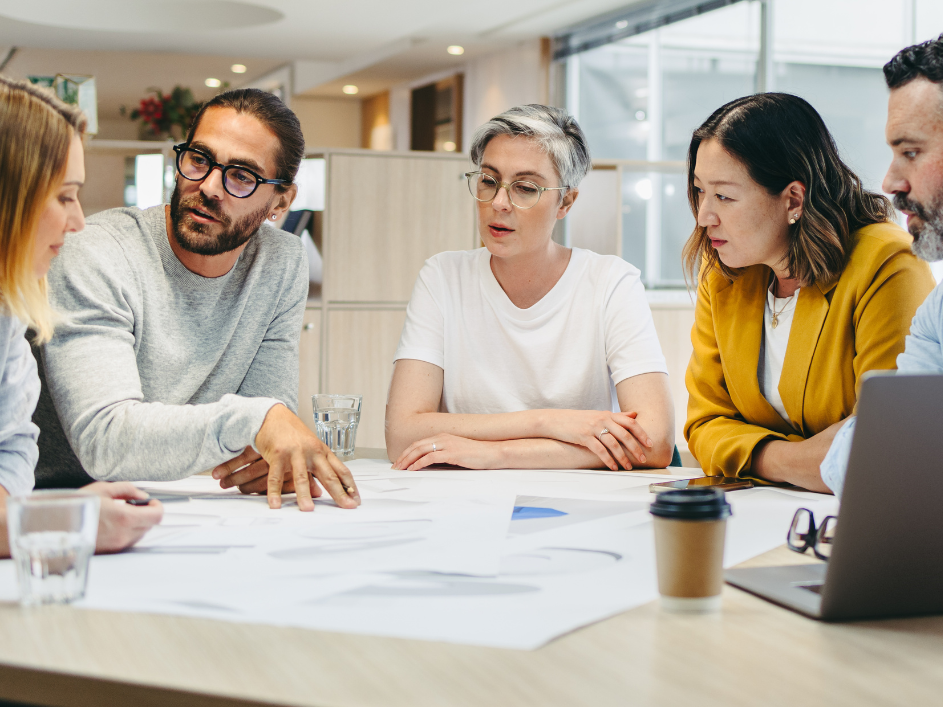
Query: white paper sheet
x=440 y=554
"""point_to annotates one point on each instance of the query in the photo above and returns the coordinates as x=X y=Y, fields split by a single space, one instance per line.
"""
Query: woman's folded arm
x=641 y=436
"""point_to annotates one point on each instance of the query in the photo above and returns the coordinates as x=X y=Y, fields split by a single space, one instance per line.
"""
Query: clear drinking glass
x=52 y=536
x=337 y=418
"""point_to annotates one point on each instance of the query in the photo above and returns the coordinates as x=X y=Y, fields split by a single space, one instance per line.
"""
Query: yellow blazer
x=840 y=330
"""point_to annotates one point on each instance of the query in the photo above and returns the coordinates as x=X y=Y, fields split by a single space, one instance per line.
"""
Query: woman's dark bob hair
x=780 y=139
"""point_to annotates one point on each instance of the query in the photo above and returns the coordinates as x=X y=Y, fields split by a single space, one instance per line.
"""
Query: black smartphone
x=724 y=483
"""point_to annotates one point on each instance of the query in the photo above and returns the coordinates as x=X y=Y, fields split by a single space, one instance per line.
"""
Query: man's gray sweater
x=156 y=373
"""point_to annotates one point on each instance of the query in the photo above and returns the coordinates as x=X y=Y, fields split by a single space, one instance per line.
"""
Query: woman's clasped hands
x=616 y=438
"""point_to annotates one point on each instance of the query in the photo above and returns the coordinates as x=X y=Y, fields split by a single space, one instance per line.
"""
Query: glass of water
x=52 y=536
x=337 y=417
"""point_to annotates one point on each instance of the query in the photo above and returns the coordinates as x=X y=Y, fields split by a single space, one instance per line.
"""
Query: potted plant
x=165 y=116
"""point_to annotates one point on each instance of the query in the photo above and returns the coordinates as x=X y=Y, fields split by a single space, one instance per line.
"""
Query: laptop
x=887 y=555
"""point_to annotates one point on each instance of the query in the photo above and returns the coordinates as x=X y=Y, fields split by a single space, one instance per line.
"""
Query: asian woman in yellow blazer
x=804 y=286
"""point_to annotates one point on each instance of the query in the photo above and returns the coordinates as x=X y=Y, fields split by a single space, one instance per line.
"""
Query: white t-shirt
x=591 y=331
x=773 y=348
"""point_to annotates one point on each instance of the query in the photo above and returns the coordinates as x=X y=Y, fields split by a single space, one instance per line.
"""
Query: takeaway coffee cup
x=690 y=525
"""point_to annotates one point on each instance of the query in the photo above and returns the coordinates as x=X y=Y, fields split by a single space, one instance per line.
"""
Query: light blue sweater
x=19 y=391
x=923 y=353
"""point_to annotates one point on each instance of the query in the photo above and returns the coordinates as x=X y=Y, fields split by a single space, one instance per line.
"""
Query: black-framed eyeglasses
x=803 y=534
x=240 y=182
x=522 y=194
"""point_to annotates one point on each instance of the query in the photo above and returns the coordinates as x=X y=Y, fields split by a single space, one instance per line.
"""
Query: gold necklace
x=775 y=321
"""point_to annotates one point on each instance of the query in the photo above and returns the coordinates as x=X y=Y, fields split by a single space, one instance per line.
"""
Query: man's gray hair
x=555 y=130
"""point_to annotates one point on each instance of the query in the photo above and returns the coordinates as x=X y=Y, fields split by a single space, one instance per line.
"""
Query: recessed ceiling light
x=456 y=50
x=622 y=24
x=213 y=83
x=350 y=89
x=238 y=68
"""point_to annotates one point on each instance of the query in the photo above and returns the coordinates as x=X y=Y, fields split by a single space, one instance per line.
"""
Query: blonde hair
x=37 y=130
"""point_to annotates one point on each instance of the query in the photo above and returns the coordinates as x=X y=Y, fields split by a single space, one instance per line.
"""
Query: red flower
x=163 y=112
x=151 y=110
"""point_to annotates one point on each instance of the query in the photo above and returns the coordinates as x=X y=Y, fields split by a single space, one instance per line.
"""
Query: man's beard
x=194 y=237
x=928 y=235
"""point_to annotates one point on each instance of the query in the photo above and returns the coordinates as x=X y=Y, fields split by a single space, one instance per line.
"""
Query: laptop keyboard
x=816 y=587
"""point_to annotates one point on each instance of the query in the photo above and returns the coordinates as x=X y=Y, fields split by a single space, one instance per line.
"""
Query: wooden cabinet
x=359 y=359
x=384 y=215
x=673 y=323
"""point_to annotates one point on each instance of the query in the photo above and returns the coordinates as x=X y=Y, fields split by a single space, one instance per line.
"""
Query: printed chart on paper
x=509 y=559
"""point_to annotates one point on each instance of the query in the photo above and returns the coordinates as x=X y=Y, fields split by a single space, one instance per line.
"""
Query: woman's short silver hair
x=555 y=130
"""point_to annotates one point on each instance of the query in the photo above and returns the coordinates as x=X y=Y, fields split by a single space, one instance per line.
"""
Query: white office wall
x=328 y=122
x=502 y=80
x=104 y=181
x=400 y=97
x=928 y=20
x=117 y=129
x=493 y=83
x=400 y=105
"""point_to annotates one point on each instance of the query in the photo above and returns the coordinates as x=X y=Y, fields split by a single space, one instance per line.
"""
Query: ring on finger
x=605 y=431
x=433 y=446
x=349 y=490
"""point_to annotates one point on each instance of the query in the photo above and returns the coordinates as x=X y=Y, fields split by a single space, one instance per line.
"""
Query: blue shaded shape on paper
x=531 y=512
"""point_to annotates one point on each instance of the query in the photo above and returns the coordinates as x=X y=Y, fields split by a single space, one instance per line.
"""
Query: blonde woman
x=43 y=168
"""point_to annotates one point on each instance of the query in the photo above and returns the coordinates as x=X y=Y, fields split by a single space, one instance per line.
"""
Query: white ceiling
x=290 y=29
x=168 y=42
x=124 y=78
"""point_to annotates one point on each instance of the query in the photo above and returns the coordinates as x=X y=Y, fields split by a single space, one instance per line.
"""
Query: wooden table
x=752 y=653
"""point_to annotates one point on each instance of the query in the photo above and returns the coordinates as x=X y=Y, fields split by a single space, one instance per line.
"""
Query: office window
x=639 y=98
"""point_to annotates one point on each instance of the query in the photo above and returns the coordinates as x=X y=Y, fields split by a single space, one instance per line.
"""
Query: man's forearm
x=156 y=442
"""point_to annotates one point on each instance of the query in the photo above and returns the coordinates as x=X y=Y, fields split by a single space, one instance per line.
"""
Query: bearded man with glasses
x=178 y=348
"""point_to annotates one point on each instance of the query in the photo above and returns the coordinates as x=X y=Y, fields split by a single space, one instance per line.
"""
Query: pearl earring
x=274 y=217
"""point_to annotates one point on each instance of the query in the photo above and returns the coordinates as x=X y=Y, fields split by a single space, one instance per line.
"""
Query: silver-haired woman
x=525 y=353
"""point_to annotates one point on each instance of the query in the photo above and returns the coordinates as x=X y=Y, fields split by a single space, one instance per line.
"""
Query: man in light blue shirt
x=915 y=133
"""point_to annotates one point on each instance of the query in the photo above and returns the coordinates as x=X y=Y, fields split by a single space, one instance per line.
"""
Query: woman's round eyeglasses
x=240 y=182
x=522 y=194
